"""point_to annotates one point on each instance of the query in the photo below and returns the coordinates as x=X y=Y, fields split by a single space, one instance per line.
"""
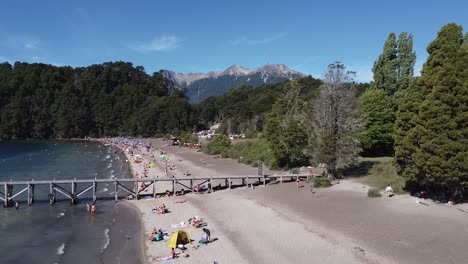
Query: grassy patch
x=377 y=173
x=248 y=151
x=322 y=182
x=374 y=192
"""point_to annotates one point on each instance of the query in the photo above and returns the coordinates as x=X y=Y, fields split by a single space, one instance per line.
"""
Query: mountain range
x=214 y=83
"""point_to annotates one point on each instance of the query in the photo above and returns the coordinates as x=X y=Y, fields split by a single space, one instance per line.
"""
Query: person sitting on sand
x=208 y=234
x=168 y=194
x=389 y=191
x=182 y=192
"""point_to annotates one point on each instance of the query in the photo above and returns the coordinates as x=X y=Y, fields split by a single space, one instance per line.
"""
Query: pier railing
x=135 y=187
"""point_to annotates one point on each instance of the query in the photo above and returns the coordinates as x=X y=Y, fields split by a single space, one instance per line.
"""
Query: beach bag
x=157 y=237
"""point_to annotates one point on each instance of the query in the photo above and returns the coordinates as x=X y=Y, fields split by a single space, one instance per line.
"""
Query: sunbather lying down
x=160 y=210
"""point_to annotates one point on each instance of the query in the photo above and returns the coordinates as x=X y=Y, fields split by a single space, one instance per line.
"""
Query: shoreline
x=142 y=247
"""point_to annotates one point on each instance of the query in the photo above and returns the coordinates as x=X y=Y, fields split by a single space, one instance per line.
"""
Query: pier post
x=94 y=190
x=30 y=193
x=173 y=186
x=6 y=195
x=281 y=179
x=211 y=184
x=51 y=194
x=191 y=185
x=154 y=188
x=230 y=183
x=116 y=191
x=136 y=189
x=74 y=199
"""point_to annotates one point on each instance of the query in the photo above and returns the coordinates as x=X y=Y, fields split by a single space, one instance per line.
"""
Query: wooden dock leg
x=264 y=180
x=6 y=195
x=230 y=183
x=30 y=194
x=154 y=188
x=116 y=191
x=94 y=191
x=74 y=199
x=51 y=194
x=281 y=179
x=191 y=185
x=136 y=190
x=173 y=186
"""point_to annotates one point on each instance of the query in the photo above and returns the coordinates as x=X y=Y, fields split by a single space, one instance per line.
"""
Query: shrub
x=295 y=170
x=218 y=145
x=374 y=192
x=322 y=182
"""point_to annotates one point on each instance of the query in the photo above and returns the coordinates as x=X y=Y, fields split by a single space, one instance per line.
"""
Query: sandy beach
x=283 y=224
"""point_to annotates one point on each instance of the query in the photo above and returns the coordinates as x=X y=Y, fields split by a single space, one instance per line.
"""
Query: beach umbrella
x=178 y=238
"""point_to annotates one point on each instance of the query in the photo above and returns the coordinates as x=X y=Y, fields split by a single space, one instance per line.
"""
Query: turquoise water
x=63 y=233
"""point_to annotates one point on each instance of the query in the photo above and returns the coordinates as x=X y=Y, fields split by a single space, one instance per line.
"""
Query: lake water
x=63 y=233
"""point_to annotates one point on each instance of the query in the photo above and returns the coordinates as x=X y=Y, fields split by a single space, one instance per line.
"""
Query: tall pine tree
x=432 y=122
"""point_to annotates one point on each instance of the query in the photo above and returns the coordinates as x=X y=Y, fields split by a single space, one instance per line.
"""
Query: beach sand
x=283 y=224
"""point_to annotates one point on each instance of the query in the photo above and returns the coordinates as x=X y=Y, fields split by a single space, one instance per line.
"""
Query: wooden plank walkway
x=90 y=185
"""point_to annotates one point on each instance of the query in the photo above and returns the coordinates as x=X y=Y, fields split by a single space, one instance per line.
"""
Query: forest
x=421 y=121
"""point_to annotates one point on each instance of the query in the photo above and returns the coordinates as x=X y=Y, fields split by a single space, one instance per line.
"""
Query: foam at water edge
x=106 y=239
x=61 y=249
x=61 y=215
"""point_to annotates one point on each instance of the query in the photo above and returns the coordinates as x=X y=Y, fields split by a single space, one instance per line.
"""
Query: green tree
x=432 y=122
x=288 y=129
x=406 y=59
x=378 y=113
x=385 y=67
x=393 y=73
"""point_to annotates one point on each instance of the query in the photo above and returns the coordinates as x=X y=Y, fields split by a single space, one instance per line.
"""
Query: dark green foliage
x=289 y=130
x=385 y=67
x=393 y=73
x=322 y=182
x=378 y=113
x=431 y=144
x=218 y=145
x=109 y=99
x=374 y=192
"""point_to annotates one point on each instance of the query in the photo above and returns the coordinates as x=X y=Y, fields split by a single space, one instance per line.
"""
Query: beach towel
x=167 y=261
x=181 y=224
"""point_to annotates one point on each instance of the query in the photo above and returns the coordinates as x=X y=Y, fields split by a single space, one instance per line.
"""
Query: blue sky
x=199 y=36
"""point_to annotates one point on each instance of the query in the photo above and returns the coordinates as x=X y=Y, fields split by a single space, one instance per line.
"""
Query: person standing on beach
x=93 y=209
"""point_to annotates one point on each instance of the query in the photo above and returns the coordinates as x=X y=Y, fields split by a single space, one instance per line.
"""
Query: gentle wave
x=105 y=190
x=61 y=215
x=108 y=157
x=61 y=249
x=109 y=166
x=106 y=239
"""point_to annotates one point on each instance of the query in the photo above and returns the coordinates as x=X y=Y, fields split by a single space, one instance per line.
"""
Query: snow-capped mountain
x=203 y=85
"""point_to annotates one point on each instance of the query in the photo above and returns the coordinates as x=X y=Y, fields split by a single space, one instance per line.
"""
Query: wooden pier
x=73 y=189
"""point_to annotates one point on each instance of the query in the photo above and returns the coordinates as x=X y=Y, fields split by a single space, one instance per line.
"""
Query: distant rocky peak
x=278 y=69
x=237 y=70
